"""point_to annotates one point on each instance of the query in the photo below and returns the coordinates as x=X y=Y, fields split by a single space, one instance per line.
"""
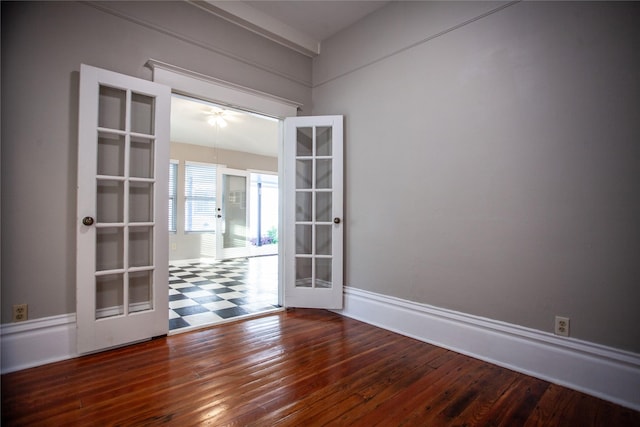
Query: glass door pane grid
x=126 y=225
x=314 y=256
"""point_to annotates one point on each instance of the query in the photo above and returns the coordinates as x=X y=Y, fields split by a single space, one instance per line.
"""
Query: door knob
x=87 y=220
x=336 y=220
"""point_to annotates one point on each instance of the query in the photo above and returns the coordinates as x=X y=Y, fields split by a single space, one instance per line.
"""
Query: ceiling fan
x=219 y=116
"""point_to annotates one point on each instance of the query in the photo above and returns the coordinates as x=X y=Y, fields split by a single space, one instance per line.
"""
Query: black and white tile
x=203 y=292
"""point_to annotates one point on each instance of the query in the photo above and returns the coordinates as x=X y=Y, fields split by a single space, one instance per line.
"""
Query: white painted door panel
x=232 y=213
x=313 y=171
x=122 y=254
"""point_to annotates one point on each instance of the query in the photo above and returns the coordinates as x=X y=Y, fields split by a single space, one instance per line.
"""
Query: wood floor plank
x=515 y=404
x=442 y=407
x=303 y=380
x=373 y=396
x=357 y=374
x=479 y=397
x=400 y=405
x=293 y=368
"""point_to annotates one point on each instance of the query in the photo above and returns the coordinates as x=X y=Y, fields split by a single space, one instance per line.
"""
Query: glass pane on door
x=140 y=246
x=234 y=211
x=141 y=159
x=112 y=108
x=109 y=201
x=304 y=239
x=304 y=205
x=323 y=273
x=324 y=206
x=109 y=296
x=304 y=145
x=324 y=140
x=140 y=201
x=323 y=173
x=323 y=239
x=304 y=267
x=142 y=113
x=109 y=248
x=110 y=154
x=140 y=291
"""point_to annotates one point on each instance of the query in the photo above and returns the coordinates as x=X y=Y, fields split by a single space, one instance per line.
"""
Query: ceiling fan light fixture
x=217 y=120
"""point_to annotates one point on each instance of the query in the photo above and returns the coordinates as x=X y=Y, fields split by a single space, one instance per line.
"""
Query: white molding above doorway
x=191 y=83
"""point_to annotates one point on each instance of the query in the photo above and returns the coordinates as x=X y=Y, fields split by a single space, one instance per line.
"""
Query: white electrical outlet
x=20 y=312
x=562 y=326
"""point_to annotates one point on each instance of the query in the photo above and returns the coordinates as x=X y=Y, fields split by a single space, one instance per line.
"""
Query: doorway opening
x=223 y=214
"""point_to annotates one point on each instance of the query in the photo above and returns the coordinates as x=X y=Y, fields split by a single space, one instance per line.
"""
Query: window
x=200 y=197
x=264 y=209
x=173 y=195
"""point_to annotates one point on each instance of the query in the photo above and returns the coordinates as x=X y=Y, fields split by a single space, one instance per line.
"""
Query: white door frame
x=189 y=83
x=196 y=85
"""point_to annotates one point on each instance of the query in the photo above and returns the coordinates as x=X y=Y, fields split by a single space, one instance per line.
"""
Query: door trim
x=191 y=83
x=219 y=91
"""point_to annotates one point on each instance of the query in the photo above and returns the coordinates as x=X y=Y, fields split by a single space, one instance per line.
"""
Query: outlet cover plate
x=20 y=312
x=562 y=326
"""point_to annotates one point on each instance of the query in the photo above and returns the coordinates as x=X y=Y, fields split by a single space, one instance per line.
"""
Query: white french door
x=122 y=254
x=232 y=211
x=313 y=176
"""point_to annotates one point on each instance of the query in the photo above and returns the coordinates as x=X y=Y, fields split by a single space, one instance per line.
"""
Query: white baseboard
x=604 y=372
x=37 y=342
x=600 y=371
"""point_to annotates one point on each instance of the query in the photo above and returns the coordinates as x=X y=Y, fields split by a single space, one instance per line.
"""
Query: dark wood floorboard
x=294 y=368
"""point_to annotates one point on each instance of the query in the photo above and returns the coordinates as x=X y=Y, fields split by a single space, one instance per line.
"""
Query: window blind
x=200 y=197
x=173 y=195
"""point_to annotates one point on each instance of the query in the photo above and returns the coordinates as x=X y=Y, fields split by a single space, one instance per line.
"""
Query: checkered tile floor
x=205 y=292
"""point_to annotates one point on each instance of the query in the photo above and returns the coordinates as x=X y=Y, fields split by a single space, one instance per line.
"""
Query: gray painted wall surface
x=43 y=45
x=494 y=169
x=503 y=182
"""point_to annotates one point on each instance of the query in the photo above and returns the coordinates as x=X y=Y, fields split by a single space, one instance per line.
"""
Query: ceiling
x=246 y=132
x=319 y=19
x=299 y=25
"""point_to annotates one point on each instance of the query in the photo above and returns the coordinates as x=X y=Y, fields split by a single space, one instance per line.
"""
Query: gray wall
x=43 y=45
x=490 y=169
x=494 y=169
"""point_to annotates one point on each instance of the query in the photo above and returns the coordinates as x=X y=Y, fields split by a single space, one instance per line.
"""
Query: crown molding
x=106 y=8
x=250 y=18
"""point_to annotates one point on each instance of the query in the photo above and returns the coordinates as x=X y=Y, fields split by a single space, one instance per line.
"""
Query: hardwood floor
x=300 y=367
